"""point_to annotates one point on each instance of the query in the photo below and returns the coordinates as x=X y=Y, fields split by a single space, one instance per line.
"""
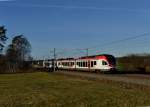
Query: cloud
x=6 y=0
x=75 y=7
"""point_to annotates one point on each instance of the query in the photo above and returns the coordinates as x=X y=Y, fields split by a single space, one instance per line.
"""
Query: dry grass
x=53 y=90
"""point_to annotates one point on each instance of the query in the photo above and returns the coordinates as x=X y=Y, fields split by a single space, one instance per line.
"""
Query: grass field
x=54 y=90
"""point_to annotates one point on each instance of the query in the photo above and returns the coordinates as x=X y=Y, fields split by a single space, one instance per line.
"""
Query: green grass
x=54 y=90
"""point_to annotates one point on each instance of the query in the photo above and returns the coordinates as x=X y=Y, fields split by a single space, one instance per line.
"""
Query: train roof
x=66 y=59
x=100 y=56
x=96 y=56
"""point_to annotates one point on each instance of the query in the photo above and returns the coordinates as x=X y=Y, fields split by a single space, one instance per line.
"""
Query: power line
x=85 y=51
x=126 y=48
x=121 y=40
x=105 y=44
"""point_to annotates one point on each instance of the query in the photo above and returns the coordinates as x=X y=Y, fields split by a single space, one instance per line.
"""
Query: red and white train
x=97 y=63
x=90 y=63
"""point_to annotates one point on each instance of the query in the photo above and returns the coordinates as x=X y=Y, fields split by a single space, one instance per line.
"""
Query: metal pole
x=87 y=52
x=54 y=58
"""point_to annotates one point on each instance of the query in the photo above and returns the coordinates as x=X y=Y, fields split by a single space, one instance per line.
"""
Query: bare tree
x=18 y=51
x=3 y=37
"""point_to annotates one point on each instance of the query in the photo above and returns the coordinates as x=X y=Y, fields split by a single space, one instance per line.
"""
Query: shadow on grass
x=131 y=72
x=26 y=71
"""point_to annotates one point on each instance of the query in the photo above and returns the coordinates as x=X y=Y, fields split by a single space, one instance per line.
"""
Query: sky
x=71 y=25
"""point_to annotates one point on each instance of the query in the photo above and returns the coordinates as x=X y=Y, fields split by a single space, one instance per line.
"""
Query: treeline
x=14 y=57
x=134 y=63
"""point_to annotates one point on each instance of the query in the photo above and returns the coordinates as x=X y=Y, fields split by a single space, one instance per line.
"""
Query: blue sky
x=73 y=24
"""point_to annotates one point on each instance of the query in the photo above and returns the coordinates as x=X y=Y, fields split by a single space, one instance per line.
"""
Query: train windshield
x=111 y=59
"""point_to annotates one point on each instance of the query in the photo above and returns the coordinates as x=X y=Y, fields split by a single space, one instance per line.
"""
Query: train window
x=104 y=63
x=111 y=59
x=94 y=62
x=83 y=64
x=86 y=64
x=59 y=63
x=65 y=63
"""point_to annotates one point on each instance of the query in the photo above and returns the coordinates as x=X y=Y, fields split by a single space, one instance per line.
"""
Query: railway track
x=135 y=79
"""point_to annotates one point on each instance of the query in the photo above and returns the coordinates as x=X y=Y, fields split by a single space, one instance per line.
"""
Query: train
x=98 y=63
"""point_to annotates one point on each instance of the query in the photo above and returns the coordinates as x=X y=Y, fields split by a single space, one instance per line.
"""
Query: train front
x=111 y=61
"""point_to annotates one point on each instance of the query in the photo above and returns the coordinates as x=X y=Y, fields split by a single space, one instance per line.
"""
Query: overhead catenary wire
x=105 y=44
x=72 y=52
x=120 y=40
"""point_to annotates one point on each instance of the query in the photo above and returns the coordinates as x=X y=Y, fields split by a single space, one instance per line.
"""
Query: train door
x=75 y=64
x=105 y=65
x=89 y=64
